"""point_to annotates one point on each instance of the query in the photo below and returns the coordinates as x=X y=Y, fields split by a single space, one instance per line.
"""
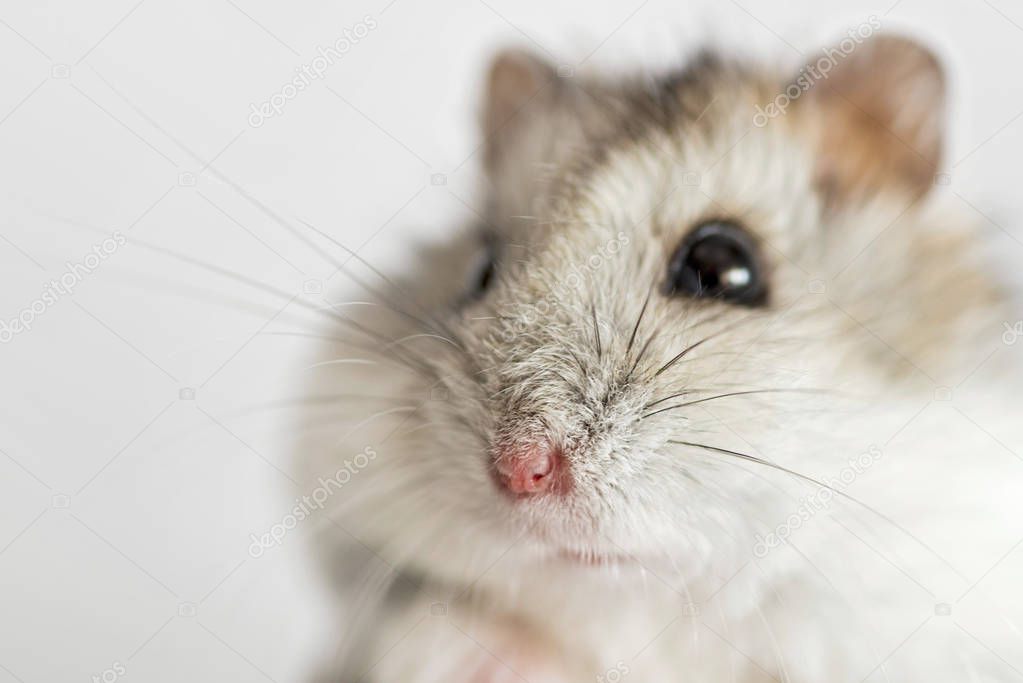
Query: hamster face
x=666 y=293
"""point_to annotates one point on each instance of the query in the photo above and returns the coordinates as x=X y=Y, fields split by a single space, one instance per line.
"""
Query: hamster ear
x=515 y=77
x=882 y=118
x=515 y=87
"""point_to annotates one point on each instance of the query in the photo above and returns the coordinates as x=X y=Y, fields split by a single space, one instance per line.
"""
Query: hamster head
x=673 y=276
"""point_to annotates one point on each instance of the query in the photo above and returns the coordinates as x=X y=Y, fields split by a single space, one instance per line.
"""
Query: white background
x=125 y=509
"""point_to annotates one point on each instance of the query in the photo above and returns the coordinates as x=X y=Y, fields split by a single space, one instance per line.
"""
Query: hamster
x=678 y=409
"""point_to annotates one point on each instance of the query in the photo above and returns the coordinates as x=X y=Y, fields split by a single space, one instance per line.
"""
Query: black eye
x=717 y=260
x=485 y=272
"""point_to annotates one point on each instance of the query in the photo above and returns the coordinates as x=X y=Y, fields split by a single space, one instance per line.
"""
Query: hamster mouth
x=593 y=558
x=596 y=554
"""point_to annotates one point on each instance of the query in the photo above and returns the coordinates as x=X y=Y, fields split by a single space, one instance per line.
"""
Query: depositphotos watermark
x=310 y=503
x=110 y=675
x=1012 y=332
x=325 y=58
x=615 y=674
x=816 y=501
x=816 y=71
x=74 y=273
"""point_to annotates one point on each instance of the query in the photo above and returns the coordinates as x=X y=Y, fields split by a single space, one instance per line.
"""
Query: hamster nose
x=528 y=469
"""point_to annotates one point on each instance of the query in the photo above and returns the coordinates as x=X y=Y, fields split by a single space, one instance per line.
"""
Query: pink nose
x=529 y=468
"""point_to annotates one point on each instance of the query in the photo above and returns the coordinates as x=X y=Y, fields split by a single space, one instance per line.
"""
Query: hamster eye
x=717 y=260
x=484 y=272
